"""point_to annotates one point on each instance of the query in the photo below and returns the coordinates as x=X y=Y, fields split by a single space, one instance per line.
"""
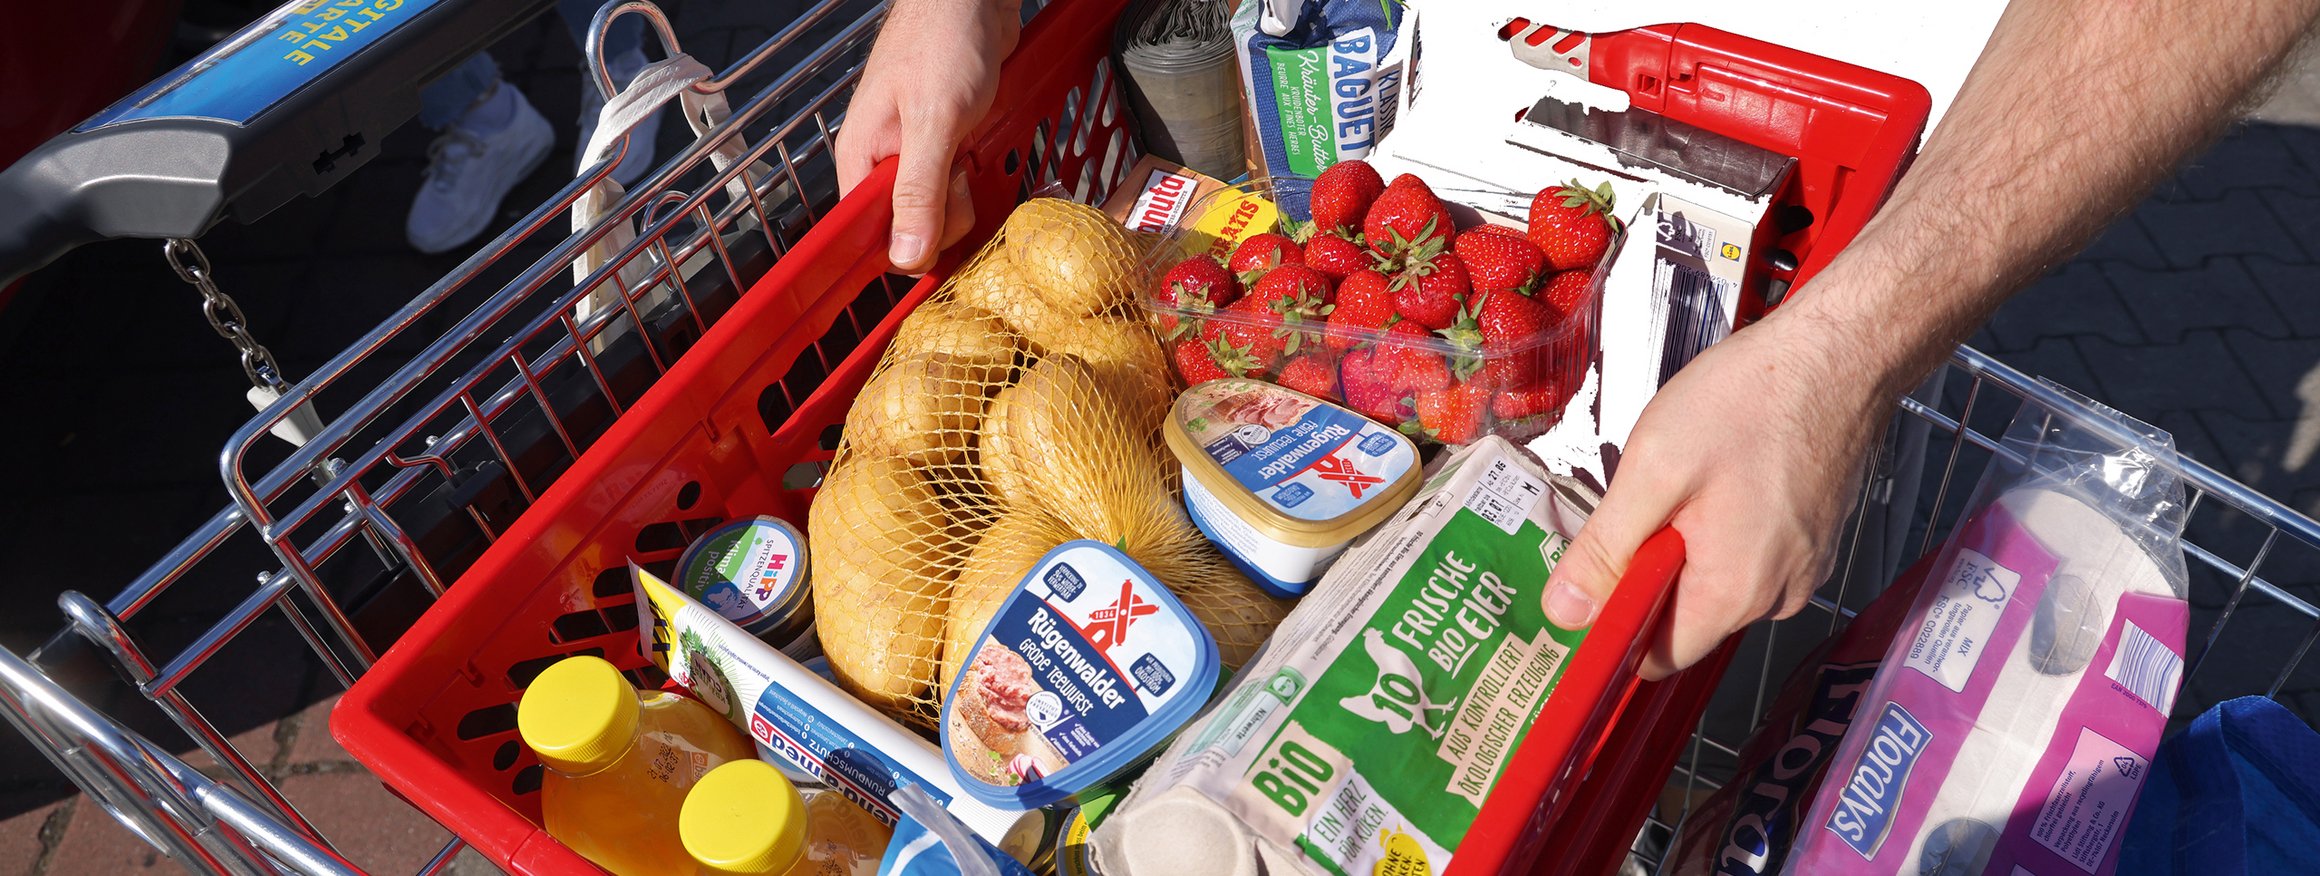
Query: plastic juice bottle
x=619 y=762
x=746 y=819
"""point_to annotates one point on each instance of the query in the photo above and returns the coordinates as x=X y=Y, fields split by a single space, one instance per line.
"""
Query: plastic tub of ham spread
x=752 y=571
x=1283 y=481
x=1089 y=667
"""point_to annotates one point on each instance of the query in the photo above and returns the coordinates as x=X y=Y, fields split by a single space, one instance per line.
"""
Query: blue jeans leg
x=448 y=98
x=627 y=34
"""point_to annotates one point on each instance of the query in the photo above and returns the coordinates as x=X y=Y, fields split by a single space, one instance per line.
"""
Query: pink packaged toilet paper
x=2013 y=718
x=1748 y=826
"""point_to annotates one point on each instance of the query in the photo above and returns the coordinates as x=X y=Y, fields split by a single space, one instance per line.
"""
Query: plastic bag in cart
x=2014 y=713
x=655 y=85
x=2234 y=793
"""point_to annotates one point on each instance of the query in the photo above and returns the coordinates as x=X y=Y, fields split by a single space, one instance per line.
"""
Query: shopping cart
x=472 y=462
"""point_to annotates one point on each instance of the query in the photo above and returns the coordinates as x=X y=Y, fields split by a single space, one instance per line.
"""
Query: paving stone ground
x=2195 y=312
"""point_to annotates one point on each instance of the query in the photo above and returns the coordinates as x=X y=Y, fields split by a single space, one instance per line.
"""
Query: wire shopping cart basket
x=745 y=320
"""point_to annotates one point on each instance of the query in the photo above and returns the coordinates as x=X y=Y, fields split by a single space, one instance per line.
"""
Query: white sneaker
x=470 y=171
x=642 y=143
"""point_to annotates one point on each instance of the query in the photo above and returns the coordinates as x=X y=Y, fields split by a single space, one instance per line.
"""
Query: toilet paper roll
x=2098 y=563
x=1947 y=812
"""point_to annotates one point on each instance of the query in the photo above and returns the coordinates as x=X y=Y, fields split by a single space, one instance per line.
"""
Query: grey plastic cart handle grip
x=30 y=239
x=287 y=106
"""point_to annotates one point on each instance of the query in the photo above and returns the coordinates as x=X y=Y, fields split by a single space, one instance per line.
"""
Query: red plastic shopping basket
x=744 y=422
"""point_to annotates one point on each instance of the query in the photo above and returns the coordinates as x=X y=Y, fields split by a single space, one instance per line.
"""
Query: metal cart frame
x=444 y=418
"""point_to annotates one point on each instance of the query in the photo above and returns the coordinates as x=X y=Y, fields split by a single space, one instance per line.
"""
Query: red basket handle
x=1540 y=782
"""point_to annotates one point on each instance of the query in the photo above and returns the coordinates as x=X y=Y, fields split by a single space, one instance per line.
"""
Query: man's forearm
x=2076 y=108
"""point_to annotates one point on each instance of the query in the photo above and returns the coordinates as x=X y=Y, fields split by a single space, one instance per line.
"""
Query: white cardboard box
x=1459 y=126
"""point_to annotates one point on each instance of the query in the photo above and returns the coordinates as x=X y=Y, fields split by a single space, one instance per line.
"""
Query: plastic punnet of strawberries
x=1382 y=304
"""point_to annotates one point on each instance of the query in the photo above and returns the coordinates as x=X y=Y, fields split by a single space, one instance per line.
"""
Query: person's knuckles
x=1590 y=565
x=920 y=200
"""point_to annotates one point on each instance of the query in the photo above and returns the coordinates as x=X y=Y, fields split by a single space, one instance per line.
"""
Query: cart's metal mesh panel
x=2252 y=562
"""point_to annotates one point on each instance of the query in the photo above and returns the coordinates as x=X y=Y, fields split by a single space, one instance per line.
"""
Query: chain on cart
x=606 y=307
x=451 y=445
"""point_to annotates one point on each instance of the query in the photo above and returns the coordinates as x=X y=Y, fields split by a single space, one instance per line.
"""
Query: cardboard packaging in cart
x=1498 y=100
x=1367 y=735
x=1490 y=120
x=1156 y=193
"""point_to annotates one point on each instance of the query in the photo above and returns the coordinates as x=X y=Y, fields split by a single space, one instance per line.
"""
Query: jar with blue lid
x=1087 y=669
x=752 y=571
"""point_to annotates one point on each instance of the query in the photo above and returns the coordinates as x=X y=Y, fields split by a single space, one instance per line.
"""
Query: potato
x=881 y=545
x=992 y=285
x=1239 y=615
x=1078 y=258
x=1021 y=426
x=1008 y=548
x=1128 y=363
x=921 y=408
x=958 y=334
x=1057 y=442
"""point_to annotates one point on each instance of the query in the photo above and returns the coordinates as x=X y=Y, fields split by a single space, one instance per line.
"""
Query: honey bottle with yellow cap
x=746 y=819
x=619 y=762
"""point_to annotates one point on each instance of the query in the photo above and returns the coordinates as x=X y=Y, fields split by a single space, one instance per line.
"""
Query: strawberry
x=1367 y=391
x=1405 y=217
x=1297 y=295
x=1429 y=292
x=1246 y=339
x=1264 y=252
x=1506 y=319
x=1453 y=415
x=1198 y=284
x=1565 y=291
x=1342 y=195
x=1500 y=261
x=1365 y=305
x=1503 y=328
x=1409 y=366
x=1544 y=397
x=1572 y=224
x=1336 y=257
x=1195 y=361
x=1312 y=374
x=1500 y=230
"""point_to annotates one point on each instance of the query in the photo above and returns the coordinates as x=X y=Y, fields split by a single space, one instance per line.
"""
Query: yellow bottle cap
x=744 y=818
x=579 y=715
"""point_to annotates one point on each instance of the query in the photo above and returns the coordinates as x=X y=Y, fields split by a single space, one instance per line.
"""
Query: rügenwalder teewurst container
x=1088 y=667
x=1283 y=481
x=752 y=571
x=803 y=724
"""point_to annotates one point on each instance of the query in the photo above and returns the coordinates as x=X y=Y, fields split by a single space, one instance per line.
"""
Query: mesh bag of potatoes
x=1019 y=407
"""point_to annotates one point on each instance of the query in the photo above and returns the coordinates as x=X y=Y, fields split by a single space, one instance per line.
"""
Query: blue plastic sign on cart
x=243 y=76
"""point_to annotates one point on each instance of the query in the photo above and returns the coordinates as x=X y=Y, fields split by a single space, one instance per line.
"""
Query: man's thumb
x=921 y=182
x=1591 y=565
